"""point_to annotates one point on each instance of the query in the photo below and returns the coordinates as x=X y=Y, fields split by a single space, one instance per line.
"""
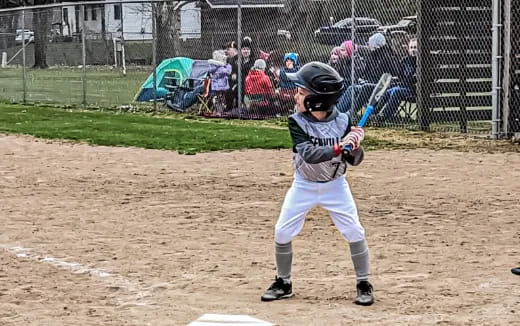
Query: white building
x=134 y=19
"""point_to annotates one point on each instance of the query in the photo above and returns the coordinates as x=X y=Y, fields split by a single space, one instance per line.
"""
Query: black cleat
x=364 y=294
x=516 y=271
x=278 y=290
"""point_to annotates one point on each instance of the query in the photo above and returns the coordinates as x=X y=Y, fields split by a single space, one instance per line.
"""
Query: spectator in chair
x=290 y=65
x=406 y=85
x=287 y=86
x=341 y=60
x=258 y=86
x=379 y=60
x=220 y=72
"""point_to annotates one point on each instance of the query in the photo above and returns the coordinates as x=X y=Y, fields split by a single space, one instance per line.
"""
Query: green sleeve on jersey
x=298 y=136
x=303 y=145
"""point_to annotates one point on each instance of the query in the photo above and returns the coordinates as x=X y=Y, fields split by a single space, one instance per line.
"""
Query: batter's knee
x=354 y=233
x=283 y=235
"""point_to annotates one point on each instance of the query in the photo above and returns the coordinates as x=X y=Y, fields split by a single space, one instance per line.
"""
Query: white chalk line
x=139 y=296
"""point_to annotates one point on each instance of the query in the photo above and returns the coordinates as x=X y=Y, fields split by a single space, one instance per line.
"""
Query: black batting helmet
x=324 y=82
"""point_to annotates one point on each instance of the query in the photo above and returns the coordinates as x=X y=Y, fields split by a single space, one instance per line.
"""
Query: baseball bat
x=377 y=94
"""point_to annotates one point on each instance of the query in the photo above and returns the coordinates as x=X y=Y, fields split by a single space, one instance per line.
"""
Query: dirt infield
x=124 y=236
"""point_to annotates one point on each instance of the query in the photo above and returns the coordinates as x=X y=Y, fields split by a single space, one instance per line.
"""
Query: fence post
x=239 y=63
x=506 y=76
x=496 y=84
x=4 y=59
x=123 y=59
x=154 y=57
x=83 y=55
x=423 y=117
x=24 y=86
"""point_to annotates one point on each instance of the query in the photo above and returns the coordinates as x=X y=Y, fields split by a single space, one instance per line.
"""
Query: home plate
x=230 y=320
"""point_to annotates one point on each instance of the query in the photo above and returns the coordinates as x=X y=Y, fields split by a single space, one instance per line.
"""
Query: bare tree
x=41 y=26
x=106 y=44
x=168 y=25
x=168 y=30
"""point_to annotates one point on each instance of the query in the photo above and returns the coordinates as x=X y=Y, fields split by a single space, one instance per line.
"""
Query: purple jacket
x=219 y=77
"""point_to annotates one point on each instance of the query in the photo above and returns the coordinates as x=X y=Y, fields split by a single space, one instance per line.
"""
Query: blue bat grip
x=362 y=122
x=365 y=116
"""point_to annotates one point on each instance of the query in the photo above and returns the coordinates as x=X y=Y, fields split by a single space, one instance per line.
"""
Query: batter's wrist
x=337 y=149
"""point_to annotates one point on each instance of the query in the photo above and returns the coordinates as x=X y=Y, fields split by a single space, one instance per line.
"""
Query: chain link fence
x=454 y=63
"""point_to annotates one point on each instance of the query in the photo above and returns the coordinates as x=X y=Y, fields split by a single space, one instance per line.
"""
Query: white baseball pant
x=334 y=196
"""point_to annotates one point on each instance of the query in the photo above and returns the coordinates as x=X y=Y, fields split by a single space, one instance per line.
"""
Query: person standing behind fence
x=232 y=59
x=220 y=72
x=248 y=60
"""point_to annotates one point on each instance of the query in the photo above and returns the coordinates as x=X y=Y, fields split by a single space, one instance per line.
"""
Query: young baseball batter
x=319 y=132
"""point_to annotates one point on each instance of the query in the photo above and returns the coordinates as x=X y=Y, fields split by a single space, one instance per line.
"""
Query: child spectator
x=220 y=72
x=258 y=86
x=287 y=86
x=290 y=65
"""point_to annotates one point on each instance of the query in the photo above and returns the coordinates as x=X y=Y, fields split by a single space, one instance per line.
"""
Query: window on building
x=66 y=15
x=94 y=13
x=77 y=15
x=85 y=13
x=117 y=12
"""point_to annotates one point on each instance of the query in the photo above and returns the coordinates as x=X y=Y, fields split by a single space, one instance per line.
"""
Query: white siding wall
x=137 y=21
x=190 y=21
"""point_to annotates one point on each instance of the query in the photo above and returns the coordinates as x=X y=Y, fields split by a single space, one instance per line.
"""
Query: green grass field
x=110 y=128
x=191 y=134
x=64 y=86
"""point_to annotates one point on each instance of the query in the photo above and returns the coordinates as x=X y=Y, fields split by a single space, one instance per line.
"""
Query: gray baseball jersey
x=313 y=140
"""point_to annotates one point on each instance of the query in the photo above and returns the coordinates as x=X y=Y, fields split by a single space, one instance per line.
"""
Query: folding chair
x=205 y=98
x=185 y=94
x=286 y=101
x=171 y=82
x=408 y=108
x=260 y=106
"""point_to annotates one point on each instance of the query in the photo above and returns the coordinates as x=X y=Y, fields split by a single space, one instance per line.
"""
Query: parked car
x=27 y=35
x=406 y=24
x=342 y=30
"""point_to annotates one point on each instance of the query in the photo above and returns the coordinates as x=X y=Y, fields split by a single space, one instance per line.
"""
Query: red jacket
x=257 y=82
